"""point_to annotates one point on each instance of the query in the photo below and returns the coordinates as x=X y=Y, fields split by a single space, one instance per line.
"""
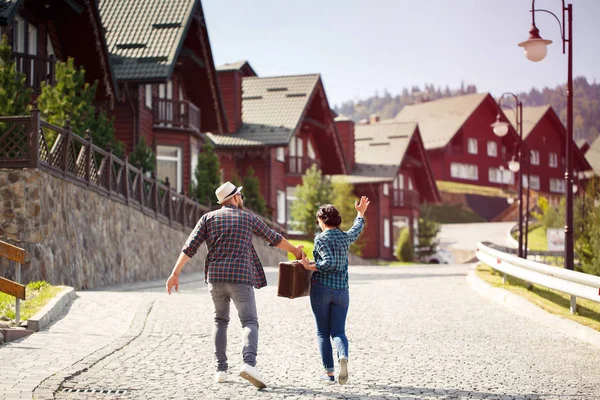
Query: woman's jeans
x=330 y=307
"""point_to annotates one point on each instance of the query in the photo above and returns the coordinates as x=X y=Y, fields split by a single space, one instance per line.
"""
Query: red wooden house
x=592 y=155
x=544 y=136
x=161 y=57
x=280 y=126
x=42 y=32
x=389 y=164
x=460 y=143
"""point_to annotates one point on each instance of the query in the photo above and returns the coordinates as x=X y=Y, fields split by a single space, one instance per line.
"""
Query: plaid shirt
x=331 y=255
x=231 y=256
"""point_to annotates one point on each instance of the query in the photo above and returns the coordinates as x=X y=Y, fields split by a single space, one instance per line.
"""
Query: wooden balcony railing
x=178 y=114
x=405 y=198
x=296 y=165
x=37 y=69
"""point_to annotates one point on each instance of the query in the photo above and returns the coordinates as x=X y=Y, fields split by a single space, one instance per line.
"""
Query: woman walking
x=329 y=296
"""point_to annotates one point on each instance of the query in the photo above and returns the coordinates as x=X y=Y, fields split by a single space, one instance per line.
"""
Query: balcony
x=297 y=165
x=405 y=198
x=37 y=69
x=176 y=114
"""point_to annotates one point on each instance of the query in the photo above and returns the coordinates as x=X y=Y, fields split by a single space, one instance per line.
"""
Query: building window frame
x=492 y=148
x=386 y=189
x=535 y=157
x=472 y=146
x=469 y=172
x=178 y=159
x=386 y=233
x=553 y=160
x=280 y=154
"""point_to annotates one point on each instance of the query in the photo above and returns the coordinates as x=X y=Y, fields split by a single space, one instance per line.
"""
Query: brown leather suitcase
x=294 y=280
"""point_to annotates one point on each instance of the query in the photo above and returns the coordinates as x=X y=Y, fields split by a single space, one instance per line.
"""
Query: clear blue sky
x=362 y=46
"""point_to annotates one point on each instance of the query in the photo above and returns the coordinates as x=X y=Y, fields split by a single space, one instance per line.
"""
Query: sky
x=360 y=47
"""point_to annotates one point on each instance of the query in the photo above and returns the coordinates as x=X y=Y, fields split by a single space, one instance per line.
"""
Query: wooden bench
x=15 y=255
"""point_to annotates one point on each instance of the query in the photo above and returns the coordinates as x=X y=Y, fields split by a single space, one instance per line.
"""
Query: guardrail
x=14 y=255
x=576 y=284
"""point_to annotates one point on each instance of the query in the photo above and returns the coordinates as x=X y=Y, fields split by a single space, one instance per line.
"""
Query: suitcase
x=294 y=280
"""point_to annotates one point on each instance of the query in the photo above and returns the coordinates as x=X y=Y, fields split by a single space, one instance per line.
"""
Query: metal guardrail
x=576 y=284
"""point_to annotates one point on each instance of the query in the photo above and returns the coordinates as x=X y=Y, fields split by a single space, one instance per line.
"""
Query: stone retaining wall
x=77 y=237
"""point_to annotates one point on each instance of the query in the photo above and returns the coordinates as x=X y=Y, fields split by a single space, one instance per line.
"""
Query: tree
x=314 y=192
x=343 y=199
x=252 y=196
x=404 y=249
x=14 y=93
x=73 y=99
x=143 y=155
x=207 y=175
x=427 y=233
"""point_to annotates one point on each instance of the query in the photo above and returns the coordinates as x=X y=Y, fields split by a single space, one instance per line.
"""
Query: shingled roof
x=531 y=117
x=8 y=10
x=440 y=120
x=593 y=156
x=144 y=37
x=272 y=109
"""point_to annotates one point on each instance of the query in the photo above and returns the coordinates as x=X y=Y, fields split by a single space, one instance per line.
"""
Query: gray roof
x=8 y=10
x=593 y=156
x=144 y=36
x=234 y=66
x=531 y=117
x=441 y=119
x=379 y=150
x=272 y=108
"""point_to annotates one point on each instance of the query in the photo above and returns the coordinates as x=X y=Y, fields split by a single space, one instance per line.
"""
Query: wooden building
x=162 y=59
x=43 y=32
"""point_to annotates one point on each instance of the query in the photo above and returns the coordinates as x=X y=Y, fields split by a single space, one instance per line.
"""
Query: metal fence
x=576 y=284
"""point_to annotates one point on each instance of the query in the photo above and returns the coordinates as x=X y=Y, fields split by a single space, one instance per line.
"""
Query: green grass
x=308 y=248
x=557 y=303
x=455 y=187
x=536 y=238
x=450 y=213
x=37 y=295
x=394 y=263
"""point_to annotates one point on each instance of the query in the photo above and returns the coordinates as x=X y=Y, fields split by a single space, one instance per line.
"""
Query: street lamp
x=535 y=50
x=501 y=129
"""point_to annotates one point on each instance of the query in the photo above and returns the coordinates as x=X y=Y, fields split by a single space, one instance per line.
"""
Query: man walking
x=232 y=270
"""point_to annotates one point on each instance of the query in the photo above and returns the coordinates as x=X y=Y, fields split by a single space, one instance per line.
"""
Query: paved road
x=466 y=236
x=415 y=333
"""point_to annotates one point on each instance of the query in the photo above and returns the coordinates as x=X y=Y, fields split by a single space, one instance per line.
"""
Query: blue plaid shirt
x=331 y=255
x=231 y=256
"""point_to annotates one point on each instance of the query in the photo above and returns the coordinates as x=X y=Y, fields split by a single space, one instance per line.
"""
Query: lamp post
x=535 y=50
x=501 y=129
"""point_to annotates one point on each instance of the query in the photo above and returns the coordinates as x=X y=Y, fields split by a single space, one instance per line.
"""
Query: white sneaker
x=252 y=375
x=343 y=376
x=221 y=377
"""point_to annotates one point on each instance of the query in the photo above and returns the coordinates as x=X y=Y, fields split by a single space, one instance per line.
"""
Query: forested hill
x=586 y=103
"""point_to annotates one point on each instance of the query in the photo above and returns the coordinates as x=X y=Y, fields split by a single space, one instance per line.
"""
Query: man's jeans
x=243 y=298
x=330 y=307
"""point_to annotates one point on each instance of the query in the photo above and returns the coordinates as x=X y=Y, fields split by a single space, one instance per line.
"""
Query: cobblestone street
x=415 y=333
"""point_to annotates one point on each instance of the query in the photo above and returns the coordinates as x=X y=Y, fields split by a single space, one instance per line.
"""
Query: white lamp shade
x=575 y=188
x=500 y=128
x=514 y=165
x=510 y=200
x=535 y=49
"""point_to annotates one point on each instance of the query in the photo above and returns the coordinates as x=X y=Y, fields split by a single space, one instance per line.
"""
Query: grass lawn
x=455 y=187
x=37 y=295
x=395 y=263
x=557 y=303
x=536 y=239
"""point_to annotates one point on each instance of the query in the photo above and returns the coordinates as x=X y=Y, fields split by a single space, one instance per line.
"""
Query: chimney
x=230 y=82
x=345 y=128
x=373 y=118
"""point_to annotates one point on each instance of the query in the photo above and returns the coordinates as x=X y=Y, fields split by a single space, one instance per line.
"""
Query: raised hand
x=362 y=205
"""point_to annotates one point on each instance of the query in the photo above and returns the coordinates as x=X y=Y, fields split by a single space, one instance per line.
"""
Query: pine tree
x=143 y=155
x=14 y=93
x=314 y=192
x=252 y=196
x=207 y=175
x=72 y=98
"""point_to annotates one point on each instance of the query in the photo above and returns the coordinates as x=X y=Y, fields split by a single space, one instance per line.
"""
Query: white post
x=573 y=304
x=18 y=303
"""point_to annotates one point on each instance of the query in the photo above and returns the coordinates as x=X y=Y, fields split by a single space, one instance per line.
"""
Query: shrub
x=404 y=251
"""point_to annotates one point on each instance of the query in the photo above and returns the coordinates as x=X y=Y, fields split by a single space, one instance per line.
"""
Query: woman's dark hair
x=329 y=215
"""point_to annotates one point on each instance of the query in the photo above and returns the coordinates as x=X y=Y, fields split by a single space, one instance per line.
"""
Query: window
x=311 y=151
x=194 y=155
x=49 y=46
x=553 y=160
x=508 y=177
x=501 y=175
x=386 y=189
x=281 y=205
x=472 y=148
x=290 y=196
x=386 y=232
x=410 y=184
x=464 y=171
x=535 y=182
x=557 y=185
x=169 y=164
x=148 y=96
x=280 y=154
x=492 y=149
x=19 y=35
x=535 y=157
